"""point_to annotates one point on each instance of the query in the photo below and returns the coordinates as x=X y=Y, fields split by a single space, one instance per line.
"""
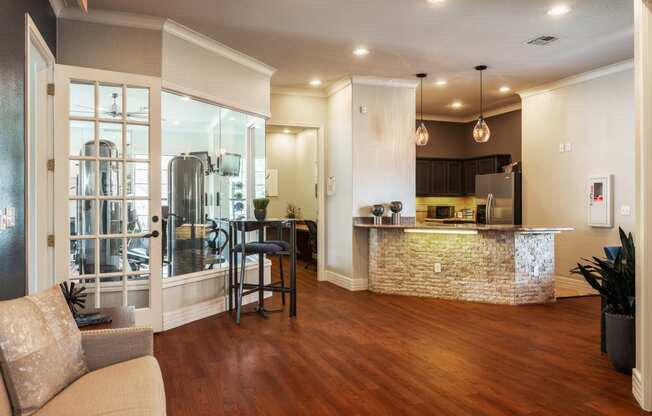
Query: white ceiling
x=308 y=39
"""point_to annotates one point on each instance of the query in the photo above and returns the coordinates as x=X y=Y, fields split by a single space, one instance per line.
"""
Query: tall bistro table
x=238 y=230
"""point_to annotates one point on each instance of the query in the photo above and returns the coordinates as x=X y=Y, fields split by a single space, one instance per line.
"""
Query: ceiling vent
x=542 y=40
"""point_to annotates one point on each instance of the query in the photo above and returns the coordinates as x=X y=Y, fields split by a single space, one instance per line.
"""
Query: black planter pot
x=260 y=214
x=621 y=341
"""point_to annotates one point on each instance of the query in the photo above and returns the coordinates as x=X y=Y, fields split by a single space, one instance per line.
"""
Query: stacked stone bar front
x=502 y=267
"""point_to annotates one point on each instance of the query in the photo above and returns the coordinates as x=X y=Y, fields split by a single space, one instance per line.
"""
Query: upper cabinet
x=454 y=177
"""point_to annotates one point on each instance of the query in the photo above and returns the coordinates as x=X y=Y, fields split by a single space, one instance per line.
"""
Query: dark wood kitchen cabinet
x=470 y=170
x=423 y=177
x=454 y=177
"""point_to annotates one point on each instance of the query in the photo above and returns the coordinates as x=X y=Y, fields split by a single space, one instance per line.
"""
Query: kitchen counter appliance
x=441 y=211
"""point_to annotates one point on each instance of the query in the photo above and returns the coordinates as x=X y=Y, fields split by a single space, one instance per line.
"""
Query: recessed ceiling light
x=286 y=131
x=456 y=104
x=315 y=82
x=505 y=88
x=441 y=82
x=436 y=1
x=185 y=98
x=559 y=10
x=175 y=122
x=361 y=51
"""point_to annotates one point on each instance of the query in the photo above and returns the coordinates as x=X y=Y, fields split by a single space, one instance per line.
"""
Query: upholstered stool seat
x=258 y=248
x=285 y=246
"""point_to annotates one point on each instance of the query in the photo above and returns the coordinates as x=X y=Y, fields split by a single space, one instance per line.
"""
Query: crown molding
x=384 y=82
x=106 y=17
x=474 y=117
x=578 y=79
x=302 y=92
x=57 y=6
x=185 y=33
x=169 y=26
x=338 y=85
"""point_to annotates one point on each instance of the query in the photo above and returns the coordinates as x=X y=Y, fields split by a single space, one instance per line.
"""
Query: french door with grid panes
x=107 y=188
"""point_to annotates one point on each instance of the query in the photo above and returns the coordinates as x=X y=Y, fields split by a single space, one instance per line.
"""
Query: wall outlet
x=625 y=210
x=437 y=268
x=568 y=147
x=363 y=109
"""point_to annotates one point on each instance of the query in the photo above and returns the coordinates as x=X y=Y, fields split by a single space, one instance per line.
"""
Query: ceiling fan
x=114 y=110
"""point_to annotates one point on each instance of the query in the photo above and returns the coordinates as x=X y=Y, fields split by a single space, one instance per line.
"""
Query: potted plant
x=260 y=208
x=615 y=280
x=293 y=211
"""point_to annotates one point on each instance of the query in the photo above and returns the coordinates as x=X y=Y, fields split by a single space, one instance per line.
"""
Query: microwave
x=441 y=211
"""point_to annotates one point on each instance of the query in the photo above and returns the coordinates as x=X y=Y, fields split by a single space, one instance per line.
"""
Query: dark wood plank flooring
x=367 y=354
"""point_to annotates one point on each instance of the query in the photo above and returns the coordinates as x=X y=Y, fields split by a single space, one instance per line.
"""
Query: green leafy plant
x=293 y=211
x=261 y=203
x=615 y=280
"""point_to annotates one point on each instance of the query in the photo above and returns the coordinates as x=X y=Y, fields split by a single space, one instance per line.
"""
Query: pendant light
x=481 y=132
x=421 y=135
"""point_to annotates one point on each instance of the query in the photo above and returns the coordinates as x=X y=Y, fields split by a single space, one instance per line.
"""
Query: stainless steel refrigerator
x=499 y=195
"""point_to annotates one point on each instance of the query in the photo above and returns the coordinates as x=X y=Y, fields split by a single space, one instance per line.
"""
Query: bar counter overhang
x=502 y=264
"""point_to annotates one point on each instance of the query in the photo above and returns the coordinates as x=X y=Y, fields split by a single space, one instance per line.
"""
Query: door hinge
x=51 y=240
x=51 y=165
x=51 y=89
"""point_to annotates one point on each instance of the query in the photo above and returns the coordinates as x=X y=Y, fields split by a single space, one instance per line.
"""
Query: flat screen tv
x=230 y=164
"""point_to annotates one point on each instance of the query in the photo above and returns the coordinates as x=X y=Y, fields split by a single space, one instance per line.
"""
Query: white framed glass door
x=108 y=189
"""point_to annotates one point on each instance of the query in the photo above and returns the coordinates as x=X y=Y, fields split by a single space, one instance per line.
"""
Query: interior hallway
x=368 y=354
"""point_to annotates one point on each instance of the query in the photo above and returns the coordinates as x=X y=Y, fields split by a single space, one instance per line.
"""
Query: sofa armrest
x=106 y=347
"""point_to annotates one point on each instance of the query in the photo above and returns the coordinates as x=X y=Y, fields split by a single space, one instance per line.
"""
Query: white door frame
x=321 y=191
x=152 y=315
x=642 y=374
x=38 y=278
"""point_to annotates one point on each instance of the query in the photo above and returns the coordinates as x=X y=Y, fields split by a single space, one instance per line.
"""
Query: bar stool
x=250 y=248
x=285 y=251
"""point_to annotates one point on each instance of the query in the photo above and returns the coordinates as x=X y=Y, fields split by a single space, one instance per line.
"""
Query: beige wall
x=298 y=110
x=597 y=118
x=294 y=156
x=114 y=48
x=455 y=140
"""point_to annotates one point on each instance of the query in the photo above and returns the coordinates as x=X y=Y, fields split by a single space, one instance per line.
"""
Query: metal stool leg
x=280 y=262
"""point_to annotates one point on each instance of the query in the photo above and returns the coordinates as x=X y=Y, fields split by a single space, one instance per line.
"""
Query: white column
x=642 y=374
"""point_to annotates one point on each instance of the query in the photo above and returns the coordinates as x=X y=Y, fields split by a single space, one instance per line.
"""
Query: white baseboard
x=347 y=282
x=637 y=387
x=188 y=314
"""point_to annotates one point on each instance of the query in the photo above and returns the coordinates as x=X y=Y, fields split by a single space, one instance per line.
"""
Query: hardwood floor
x=367 y=354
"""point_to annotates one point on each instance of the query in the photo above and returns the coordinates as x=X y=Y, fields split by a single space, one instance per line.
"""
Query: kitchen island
x=502 y=264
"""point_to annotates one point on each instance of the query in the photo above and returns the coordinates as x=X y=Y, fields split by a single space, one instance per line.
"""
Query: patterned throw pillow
x=40 y=349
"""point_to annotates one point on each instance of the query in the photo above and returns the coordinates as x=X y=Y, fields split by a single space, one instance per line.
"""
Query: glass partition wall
x=208 y=154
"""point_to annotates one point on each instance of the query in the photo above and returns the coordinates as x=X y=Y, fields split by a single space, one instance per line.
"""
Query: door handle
x=153 y=234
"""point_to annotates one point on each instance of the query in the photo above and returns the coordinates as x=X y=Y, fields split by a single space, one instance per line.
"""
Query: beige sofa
x=124 y=378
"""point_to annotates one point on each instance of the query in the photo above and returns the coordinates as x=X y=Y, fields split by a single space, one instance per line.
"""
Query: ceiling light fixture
x=441 y=82
x=315 y=82
x=286 y=131
x=175 y=122
x=361 y=51
x=421 y=135
x=436 y=1
x=505 y=88
x=481 y=132
x=559 y=10
x=185 y=98
x=456 y=104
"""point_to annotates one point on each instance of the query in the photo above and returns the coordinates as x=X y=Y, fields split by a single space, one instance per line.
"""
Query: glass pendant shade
x=421 y=137
x=481 y=132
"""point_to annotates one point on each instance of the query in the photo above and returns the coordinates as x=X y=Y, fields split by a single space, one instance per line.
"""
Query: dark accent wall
x=455 y=140
x=12 y=145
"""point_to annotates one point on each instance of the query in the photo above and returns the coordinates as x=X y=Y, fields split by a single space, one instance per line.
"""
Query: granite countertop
x=363 y=223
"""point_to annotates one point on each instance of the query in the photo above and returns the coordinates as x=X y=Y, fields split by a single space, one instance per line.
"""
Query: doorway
x=292 y=183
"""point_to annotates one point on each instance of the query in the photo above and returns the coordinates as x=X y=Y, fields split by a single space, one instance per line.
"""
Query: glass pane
x=111 y=217
x=82 y=257
x=82 y=177
x=82 y=100
x=138 y=291
x=138 y=254
x=110 y=255
x=110 y=102
x=82 y=217
x=137 y=216
x=137 y=142
x=137 y=179
x=111 y=296
x=138 y=104
x=110 y=178
x=110 y=140
x=82 y=138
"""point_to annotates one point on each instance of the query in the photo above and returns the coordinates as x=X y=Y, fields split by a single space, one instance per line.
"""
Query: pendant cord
x=421 y=106
x=481 y=100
